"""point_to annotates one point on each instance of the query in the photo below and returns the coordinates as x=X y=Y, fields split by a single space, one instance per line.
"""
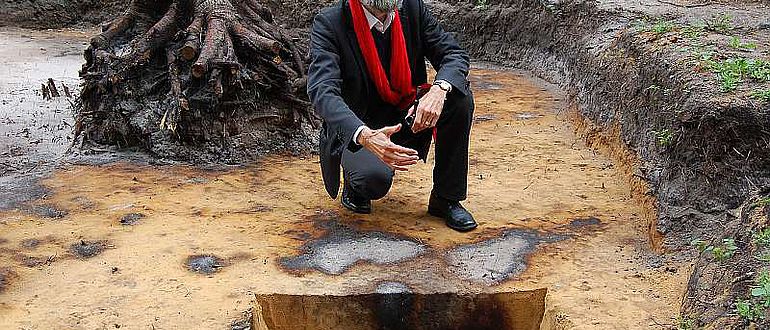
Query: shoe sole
x=457 y=228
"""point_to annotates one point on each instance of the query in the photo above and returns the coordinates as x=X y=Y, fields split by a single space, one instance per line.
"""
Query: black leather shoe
x=354 y=202
x=455 y=215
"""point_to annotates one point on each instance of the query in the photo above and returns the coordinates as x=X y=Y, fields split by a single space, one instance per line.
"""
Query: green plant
x=724 y=251
x=728 y=81
x=685 y=323
x=762 y=237
x=653 y=88
x=693 y=31
x=736 y=43
x=762 y=95
x=762 y=202
x=732 y=71
x=761 y=290
x=703 y=57
x=750 y=311
x=700 y=244
x=720 y=253
x=722 y=23
x=763 y=257
x=664 y=137
x=662 y=27
x=481 y=4
x=759 y=69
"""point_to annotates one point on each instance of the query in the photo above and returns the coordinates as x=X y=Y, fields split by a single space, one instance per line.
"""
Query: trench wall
x=608 y=68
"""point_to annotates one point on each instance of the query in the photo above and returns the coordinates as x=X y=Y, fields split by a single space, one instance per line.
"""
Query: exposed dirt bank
x=48 y=14
x=658 y=79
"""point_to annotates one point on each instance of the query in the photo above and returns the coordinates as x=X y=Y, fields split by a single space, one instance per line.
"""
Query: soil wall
x=627 y=84
x=57 y=13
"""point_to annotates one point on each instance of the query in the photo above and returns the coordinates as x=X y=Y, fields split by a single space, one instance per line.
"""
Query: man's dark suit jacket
x=343 y=94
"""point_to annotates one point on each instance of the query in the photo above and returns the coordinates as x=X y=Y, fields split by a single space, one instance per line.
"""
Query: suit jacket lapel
x=353 y=43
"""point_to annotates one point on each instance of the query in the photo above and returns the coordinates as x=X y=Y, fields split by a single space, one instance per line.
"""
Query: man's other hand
x=429 y=109
x=378 y=142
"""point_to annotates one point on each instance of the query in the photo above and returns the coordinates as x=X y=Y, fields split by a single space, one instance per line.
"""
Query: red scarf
x=399 y=90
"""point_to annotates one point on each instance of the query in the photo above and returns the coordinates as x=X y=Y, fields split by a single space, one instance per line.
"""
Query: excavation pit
x=529 y=179
x=503 y=310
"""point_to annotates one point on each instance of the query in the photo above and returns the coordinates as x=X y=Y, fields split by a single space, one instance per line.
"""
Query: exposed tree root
x=194 y=60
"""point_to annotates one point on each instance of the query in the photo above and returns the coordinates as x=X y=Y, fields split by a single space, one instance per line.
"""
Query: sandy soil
x=116 y=245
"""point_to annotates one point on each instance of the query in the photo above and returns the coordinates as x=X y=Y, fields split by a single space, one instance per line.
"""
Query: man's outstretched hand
x=378 y=142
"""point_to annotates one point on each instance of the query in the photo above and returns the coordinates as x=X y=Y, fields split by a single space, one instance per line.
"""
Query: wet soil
x=533 y=185
x=35 y=131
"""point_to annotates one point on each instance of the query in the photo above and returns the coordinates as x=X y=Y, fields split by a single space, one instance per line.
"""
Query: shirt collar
x=375 y=23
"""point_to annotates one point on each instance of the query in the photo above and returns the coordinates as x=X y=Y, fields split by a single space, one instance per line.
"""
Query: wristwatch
x=444 y=85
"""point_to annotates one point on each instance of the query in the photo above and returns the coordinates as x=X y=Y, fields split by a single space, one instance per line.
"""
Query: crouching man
x=368 y=57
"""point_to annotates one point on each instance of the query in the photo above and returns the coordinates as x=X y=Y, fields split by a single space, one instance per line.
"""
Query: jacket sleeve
x=324 y=83
x=444 y=53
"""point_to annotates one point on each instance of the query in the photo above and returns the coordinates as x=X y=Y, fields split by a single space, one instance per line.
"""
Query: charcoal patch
x=495 y=260
x=342 y=246
x=29 y=261
x=47 y=211
x=131 y=219
x=392 y=288
x=244 y=323
x=197 y=180
x=486 y=85
x=204 y=264
x=6 y=276
x=30 y=243
x=18 y=190
x=88 y=249
x=483 y=118
x=585 y=222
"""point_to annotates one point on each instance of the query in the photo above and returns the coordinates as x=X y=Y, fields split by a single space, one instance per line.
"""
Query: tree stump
x=200 y=80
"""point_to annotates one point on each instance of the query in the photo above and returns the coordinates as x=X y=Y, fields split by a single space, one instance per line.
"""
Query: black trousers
x=371 y=178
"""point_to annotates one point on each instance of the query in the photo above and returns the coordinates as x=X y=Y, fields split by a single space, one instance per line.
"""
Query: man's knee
x=374 y=183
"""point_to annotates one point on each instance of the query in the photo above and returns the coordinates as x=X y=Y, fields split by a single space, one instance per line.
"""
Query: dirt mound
x=47 y=14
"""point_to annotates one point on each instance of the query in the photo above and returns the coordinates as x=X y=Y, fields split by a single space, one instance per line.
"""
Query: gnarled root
x=208 y=47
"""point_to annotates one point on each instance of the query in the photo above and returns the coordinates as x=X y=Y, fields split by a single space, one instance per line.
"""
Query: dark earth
x=204 y=264
x=131 y=219
x=88 y=249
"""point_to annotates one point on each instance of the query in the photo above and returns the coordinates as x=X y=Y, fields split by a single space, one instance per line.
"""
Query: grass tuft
x=737 y=43
x=732 y=71
x=722 y=24
x=664 y=137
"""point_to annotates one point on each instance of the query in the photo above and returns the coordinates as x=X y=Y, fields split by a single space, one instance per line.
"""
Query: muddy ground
x=688 y=161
